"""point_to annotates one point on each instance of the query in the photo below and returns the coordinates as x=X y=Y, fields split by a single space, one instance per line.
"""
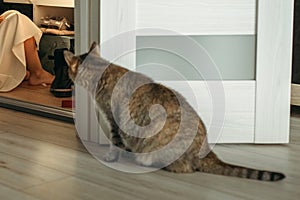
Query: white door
x=254 y=107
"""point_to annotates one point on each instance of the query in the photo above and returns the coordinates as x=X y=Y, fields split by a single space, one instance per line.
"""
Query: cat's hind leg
x=144 y=160
x=182 y=165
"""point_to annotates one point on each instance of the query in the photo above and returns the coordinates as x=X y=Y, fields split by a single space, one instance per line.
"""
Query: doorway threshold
x=37 y=109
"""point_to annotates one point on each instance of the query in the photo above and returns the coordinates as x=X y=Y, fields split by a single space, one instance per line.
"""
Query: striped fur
x=139 y=103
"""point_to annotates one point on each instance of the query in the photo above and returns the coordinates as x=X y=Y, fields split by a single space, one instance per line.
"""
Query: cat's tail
x=216 y=166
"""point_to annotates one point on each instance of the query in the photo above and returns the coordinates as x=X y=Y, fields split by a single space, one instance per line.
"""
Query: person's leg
x=37 y=75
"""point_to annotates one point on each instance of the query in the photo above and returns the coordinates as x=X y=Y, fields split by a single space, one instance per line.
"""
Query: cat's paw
x=111 y=156
x=144 y=160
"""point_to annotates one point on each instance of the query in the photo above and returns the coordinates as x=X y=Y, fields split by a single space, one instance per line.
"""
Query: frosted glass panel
x=234 y=57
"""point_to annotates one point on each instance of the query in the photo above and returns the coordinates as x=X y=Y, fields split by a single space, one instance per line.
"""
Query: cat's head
x=74 y=62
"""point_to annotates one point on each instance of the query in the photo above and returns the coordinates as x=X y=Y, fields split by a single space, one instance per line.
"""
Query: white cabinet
x=256 y=110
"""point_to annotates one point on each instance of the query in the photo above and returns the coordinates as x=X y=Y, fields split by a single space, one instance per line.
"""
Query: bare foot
x=40 y=78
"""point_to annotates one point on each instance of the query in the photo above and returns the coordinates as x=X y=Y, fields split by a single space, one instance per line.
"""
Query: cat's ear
x=95 y=49
x=93 y=46
x=72 y=61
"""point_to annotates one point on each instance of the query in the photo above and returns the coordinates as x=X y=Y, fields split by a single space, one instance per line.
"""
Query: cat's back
x=158 y=97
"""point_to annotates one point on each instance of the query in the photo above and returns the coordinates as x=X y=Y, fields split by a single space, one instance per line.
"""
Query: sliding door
x=230 y=59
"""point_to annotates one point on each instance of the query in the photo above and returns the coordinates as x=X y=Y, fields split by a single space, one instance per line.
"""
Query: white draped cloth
x=14 y=30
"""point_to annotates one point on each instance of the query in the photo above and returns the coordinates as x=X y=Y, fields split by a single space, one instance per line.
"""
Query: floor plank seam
x=44 y=165
x=44 y=183
x=18 y=190
x=37 y=163
x=54 y=143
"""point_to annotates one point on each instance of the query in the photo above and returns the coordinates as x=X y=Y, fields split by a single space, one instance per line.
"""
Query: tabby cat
x=140 y=99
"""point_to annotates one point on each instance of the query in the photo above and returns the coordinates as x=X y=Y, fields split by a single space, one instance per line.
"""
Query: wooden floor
x=42 y=159
x=35 y=94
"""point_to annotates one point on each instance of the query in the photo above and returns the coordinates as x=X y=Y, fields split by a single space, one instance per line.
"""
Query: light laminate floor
x=42 y=159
